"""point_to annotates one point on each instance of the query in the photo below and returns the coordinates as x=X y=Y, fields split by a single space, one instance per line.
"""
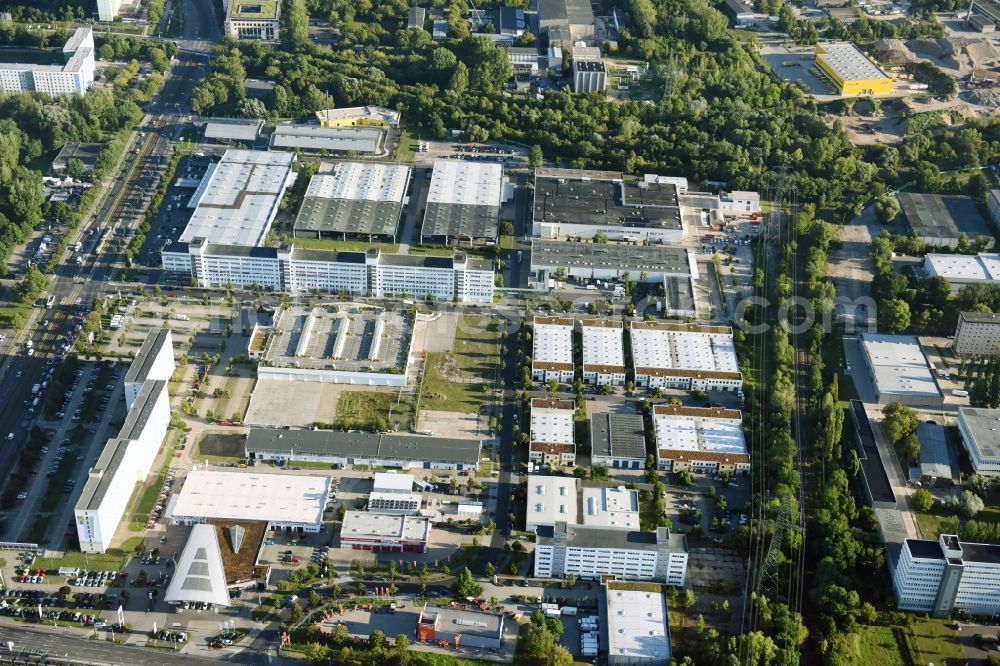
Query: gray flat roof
x=336 y=139
x=678 y=292
x=934 y=458
x=138 y=414
x=942 y=215
x=237 y=129
x=348 y=216
x=618 y=435
x=926 y=549
x=635 y=258
x=143 y=361
x=461 y=221
x=465 y=622
x=361 y=445
x=571 y=12
x=980 y=317
x=575 y=200
x=984 y=425
x=97 y=486
x=981 y=552
x=872 y=470
x=603 y=537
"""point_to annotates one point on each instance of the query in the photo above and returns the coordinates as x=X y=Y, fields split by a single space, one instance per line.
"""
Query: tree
x=377 y=640
x=555 y=627
x=899 y=421
x=297 y=612
x=553 y=385
x=894 y=315
x=296 y=25
x=314 y=599
x=970 y=504
x=31 y=285
x=922 y=500
x=75 y=168
x=466 y=585
x=490 y=569
x=535 y=156
x=886 y=208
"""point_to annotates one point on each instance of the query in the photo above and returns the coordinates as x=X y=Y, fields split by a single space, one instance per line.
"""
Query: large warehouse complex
x=356 y=200
x=553 y=499
x=75 y=76
x=899 y=370
x=606 y=261
x=341 y=345
x=961 y=269
x=362 y=448
x=463 y=203
x=940 y=220
x=700 y=439
x=851 y=71
x=686 y=356
x=127 y=458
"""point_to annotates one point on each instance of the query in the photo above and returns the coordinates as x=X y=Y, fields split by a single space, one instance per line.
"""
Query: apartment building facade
x=977 y=334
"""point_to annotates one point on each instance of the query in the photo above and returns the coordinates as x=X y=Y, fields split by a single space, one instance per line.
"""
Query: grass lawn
x=147 y=500
x=930 y=641
x=370 y=410
x=407 y=149
x=219 y=447
x=506 y=242
x=105 y=562
x=432 y=250
x=460 y=380
x=930 y=523
x=347 y=245
x=8 y=313
x=874 y=645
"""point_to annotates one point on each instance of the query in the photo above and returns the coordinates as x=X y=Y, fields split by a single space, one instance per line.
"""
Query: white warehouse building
x=592 y=552
x=603 y=352
x=685 y=356
x=940 y=576
x=552 y=349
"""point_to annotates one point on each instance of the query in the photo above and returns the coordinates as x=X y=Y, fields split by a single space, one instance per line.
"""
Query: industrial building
x=875 y=480
x=391 y=482
x=362 y=448
x=127 y=458
x=380 y=532
x=685 y=356
x=940 y=220
x=935 y=461
x=566 y=21
x=416 y=18
x=589 y=76
x=350 y=344
x=358 y=115
x=199 y=576
x=851 y=71
x=638 y=624
x=939 y=577
x=252 y=19
x=977 y=334
x=357 y=200
x=374 y=273
x=603 y=352
x=981 y=437
x=393 y=493
x=86 y=153
x=73 y=77
x=238 y=198
x=287 y=502
x=552 y=349
x=899 y=370
x=592 y=552
x=336 y=139
x=463 y=202
x=993 y=205
x=700 y=439
x=617 y=440
x=572 y=203
x=460 y=627
x=553 y=499
x=245 y=130
x=552 y=440
x=611 y=261
x=963 y=269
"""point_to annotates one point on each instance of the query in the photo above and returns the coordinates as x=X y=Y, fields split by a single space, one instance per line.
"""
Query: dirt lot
x=437 y=335
x=454 y=424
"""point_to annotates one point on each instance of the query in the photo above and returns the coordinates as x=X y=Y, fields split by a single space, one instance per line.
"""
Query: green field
x=931 y=641
x=461 y=380
x=372 y=410
x=347 y=245
x=220 y=447
x=105 y=562
x=874 y=645
x=930 y=523
x=407 y=148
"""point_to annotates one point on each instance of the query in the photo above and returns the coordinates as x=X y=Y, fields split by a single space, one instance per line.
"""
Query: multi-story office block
x=977 y=334
x=75 y=76
x=252 y=19
x=981 y=438
x=940 y=576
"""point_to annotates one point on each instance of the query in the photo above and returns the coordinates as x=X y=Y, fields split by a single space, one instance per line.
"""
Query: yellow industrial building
x=358 y=115
x=852 y=71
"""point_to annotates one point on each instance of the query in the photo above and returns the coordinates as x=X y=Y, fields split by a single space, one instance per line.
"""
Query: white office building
x=685 y=356
x=603 y=352
x=977 y=334
x=252 y=19
x=899 y=370
x=552 y=349
x=373 y=273
x=155 y=360
x=940 y=576
x=592 y=552
x=638 y=625
x=125 y=461
x=700 y=439
x=554 y=499
x=394 y=503
x=75 y=76
x=980 y=430
x=286 y=502
x=552 y=440
x=107 y=10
